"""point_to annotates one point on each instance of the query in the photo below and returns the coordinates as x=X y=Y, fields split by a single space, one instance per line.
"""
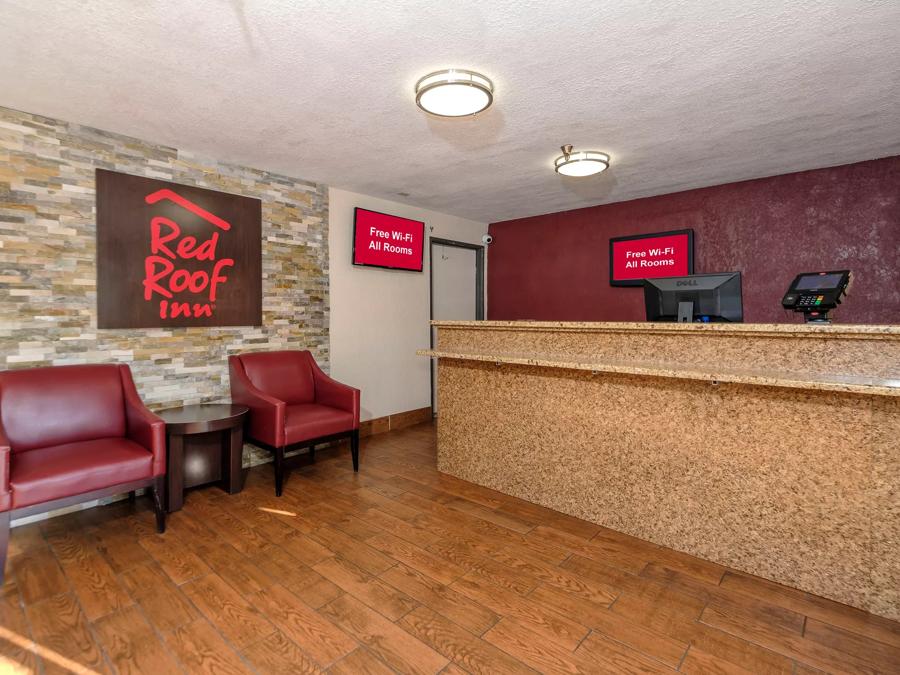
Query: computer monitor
x=695 y=298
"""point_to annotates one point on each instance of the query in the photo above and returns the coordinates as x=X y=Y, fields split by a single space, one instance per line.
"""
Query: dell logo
x=686 y=282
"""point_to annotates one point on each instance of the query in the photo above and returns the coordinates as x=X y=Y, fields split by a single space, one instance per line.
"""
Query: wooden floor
x=398 y=568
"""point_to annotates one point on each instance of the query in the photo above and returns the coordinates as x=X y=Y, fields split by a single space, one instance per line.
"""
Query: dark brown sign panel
x=171 y=255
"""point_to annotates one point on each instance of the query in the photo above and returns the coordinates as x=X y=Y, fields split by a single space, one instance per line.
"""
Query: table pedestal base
x=202 y=458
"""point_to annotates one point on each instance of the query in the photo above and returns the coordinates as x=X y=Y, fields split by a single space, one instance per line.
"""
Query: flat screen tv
x=649 y=256
x=391 y=242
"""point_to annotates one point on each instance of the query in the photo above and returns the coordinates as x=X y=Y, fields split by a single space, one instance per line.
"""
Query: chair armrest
x=267 y=413
x=334 y=393
x=5 y=451
x=142 y=426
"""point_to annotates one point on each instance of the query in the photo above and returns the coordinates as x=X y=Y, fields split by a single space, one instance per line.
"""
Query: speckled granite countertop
x=826 y=382
x=828 y=330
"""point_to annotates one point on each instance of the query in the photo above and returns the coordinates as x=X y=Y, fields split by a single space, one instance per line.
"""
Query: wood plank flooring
x=397 y=569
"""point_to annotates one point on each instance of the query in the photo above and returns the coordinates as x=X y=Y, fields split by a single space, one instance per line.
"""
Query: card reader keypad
x=810 y=300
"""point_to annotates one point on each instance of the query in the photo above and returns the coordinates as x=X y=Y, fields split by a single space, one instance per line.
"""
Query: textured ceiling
x=681 y=93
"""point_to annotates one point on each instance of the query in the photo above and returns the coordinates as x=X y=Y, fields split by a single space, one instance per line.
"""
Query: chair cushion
x=306 y=421
x=286 y=375
x=41 y=407
x=61 y=471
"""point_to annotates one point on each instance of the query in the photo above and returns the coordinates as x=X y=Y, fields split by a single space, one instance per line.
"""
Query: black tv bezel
x=356 y=210
x=640 y=282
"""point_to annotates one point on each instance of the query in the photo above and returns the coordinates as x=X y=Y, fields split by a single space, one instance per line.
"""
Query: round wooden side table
x=205 y=444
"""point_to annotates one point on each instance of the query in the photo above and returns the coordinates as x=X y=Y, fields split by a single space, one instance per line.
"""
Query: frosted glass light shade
x=454 y=93
x=581 y=163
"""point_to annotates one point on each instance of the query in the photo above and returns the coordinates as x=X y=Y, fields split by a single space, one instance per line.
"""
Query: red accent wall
x=556 y=266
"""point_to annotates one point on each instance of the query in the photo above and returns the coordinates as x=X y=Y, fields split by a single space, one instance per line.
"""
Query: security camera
x=487 y=239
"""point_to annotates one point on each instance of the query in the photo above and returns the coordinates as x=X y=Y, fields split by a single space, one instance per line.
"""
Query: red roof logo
x=162 y=276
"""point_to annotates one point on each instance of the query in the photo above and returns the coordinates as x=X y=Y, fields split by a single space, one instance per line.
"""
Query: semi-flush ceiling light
x=454 y=93
x=580 y=163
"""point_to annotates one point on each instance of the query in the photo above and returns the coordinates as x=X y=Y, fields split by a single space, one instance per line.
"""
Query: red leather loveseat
x=70 y=434
x=293 y=403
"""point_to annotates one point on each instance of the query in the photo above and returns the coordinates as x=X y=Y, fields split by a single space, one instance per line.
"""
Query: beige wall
x=380 y=317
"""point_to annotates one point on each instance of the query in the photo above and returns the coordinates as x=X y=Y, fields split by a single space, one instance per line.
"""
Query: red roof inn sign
x=171 y=255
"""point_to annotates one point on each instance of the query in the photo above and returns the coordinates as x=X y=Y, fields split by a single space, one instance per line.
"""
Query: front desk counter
x=770 y=448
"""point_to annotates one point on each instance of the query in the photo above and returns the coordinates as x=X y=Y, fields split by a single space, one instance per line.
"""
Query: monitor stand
x=685 y=312
x=817 y=317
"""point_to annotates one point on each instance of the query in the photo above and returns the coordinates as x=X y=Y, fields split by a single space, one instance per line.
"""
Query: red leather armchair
x=70 y=434
x=293 y=403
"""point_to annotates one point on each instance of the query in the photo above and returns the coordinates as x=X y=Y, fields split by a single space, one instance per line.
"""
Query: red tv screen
x=392 y=242
x=648 y=256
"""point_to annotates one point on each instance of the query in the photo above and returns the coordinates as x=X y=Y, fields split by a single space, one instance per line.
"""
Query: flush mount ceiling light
x=580 y=163
x=454 y=93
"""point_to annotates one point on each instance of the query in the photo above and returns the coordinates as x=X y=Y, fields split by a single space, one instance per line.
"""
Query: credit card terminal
x=816 y=293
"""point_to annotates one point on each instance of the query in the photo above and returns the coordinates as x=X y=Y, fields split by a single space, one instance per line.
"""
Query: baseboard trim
x=401 y=420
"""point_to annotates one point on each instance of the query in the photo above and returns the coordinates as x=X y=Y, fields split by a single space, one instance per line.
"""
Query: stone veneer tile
x=48 y=288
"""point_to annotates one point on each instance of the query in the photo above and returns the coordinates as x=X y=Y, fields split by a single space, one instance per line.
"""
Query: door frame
x=479 y=290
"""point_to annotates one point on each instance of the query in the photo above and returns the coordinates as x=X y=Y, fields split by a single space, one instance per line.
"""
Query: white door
x=454 y=284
